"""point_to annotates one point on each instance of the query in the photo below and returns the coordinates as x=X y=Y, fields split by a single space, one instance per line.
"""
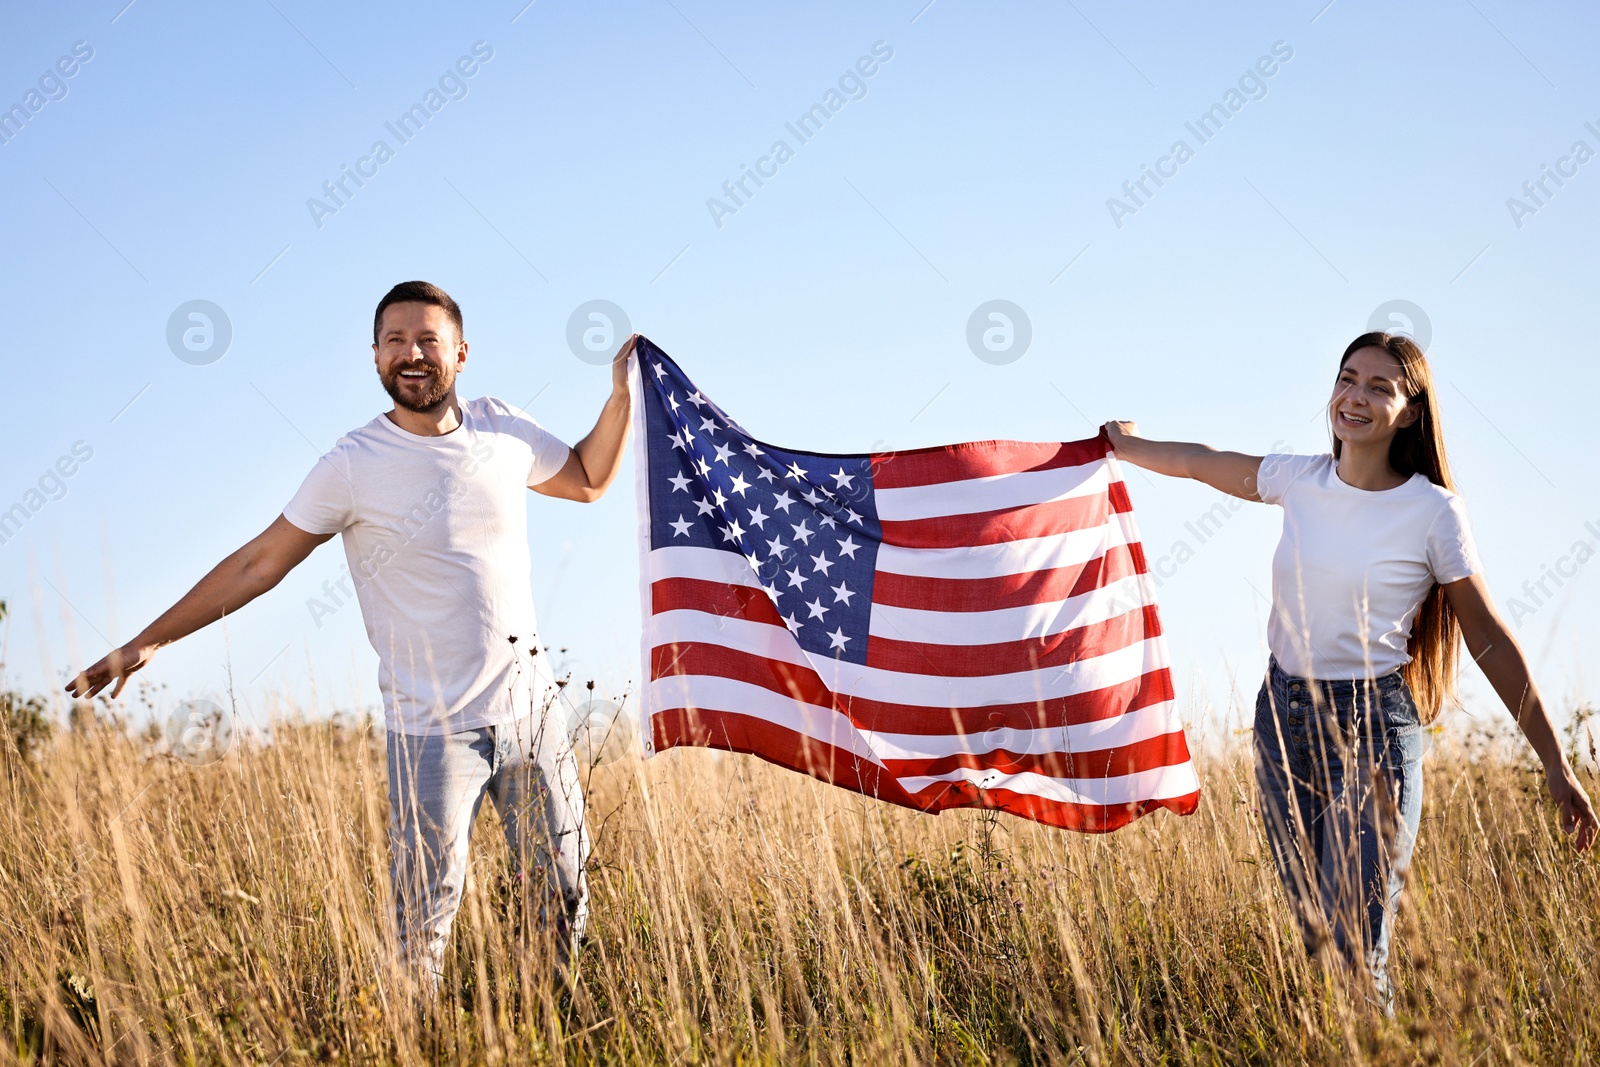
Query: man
x=429 y=500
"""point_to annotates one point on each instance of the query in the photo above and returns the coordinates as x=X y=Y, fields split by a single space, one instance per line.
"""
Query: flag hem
x=641 y=478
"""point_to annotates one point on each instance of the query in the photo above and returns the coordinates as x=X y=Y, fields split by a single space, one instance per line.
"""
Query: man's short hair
x=417 y=293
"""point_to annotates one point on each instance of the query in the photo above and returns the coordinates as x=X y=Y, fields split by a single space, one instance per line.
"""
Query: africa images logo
x=1252 y=85
x=51 y=86
x=451 y=85
x=852 y=85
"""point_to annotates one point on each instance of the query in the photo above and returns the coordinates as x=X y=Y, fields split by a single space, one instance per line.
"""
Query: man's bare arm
x=594 y=462
x=233 y=583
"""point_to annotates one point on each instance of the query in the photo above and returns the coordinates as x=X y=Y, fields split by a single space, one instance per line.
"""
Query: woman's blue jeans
x=1339 y=771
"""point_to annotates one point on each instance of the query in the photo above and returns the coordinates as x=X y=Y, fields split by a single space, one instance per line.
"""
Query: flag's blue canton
x=805 y=524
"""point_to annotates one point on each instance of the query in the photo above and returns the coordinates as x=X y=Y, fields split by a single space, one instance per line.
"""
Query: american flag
x=963 y=626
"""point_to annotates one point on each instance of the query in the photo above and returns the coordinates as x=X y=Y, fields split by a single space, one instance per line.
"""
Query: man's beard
x=430 y=400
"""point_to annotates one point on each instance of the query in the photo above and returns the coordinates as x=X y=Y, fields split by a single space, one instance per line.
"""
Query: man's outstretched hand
x=230 y=585
x=619 y=366
x=118 y=664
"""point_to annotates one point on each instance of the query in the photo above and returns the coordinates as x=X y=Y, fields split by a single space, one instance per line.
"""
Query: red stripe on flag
x=917 y=657
x=980 y=459
x=734 y=732
x=1094 y=705
x=1011 y=657
x=691 y=658
x=804 y=684
x=718 y=598
x=1008 y=590
x=1002 y=525
x=1086 y=818
x=1167 y=750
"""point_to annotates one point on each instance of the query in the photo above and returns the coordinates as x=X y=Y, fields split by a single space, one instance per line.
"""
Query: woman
x=1375 y=578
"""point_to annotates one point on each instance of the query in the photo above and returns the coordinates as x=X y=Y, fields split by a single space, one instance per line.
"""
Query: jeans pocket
x=1266 y=709
x=1399 y=707
x=1403 y=732
x=1273 y=736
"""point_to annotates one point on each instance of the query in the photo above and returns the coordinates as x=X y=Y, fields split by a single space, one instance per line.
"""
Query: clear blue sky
x=828 y=312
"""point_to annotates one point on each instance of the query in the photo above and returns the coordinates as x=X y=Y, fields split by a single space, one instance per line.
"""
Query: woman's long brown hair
x=1435 y=632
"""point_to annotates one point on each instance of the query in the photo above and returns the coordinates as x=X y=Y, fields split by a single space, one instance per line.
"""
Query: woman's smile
x=1351 y=419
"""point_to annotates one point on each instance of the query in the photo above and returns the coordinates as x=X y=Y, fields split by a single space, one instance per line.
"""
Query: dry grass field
x=154 y=912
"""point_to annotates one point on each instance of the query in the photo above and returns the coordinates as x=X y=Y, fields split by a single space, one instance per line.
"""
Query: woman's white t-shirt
x=1354 y=565
x=436 y=534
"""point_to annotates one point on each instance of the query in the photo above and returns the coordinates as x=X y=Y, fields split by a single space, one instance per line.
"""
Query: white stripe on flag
x=1022 y=556
x=1155 y=720
x=992 y=493
x=1007 y=624
x=709 y=693
x=1159 y=783
x=1091 y=673
x=706 y=564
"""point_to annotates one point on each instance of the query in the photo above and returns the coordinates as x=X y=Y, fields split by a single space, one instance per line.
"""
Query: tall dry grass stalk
x=151 y=912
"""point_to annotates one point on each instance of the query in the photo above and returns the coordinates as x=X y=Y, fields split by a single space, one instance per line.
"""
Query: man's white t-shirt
x=1354 y=565
x=435 y=530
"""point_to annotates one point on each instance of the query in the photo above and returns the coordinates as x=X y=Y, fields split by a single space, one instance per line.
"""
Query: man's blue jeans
x=1339 y=771
x=436 y=787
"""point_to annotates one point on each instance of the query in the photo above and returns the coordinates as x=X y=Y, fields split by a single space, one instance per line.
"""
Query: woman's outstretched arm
x=1498 y=653
x=1231 y=472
